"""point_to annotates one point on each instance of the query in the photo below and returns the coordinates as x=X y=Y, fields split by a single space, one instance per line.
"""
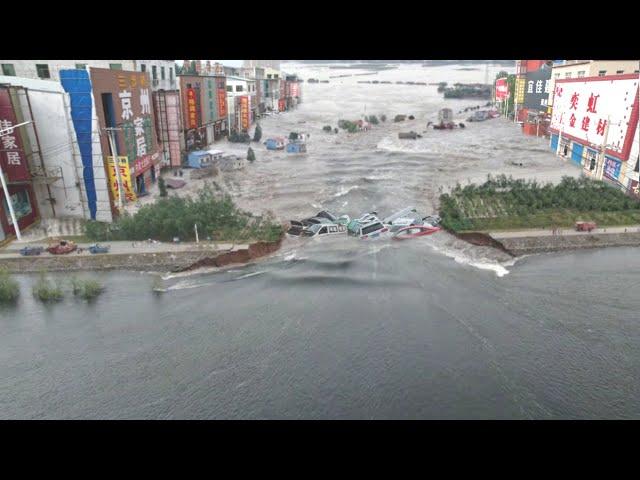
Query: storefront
x=15 y=170
x=595 y=121
x=123 y=103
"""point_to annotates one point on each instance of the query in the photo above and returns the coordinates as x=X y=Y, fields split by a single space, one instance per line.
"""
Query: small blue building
x=204 y=158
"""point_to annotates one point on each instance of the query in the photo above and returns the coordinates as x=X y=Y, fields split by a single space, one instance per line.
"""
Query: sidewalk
x=567 y=231
x=128 y=247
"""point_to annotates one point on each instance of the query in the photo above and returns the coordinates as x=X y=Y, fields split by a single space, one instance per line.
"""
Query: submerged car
x=324 y=223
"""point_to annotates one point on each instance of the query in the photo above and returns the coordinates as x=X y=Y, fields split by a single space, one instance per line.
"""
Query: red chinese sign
x=597 y=111
x=295 y=90
x=222 y=103
x=281 y=105
x=191 y=108
x=244 y=112
x=502 y=89
x=12 y=156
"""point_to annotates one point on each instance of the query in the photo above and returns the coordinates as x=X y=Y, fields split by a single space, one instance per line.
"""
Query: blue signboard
x=612 y=168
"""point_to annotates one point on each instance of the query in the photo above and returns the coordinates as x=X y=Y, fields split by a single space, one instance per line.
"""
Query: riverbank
x=525 y=242
x=143 y=257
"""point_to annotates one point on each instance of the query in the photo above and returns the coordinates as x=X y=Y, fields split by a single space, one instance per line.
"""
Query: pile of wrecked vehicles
x=402 y=225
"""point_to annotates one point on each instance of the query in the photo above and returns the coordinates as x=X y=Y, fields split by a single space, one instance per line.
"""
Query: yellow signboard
x=520 y=86
x=125 y=178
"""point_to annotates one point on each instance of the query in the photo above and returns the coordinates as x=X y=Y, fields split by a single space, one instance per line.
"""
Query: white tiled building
x=49 y=69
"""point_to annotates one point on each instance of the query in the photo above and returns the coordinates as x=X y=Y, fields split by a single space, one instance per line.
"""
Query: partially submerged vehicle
x=409 y=135
x=323 y=223
x=445 y=121
x=414 y=231
x=62 y=247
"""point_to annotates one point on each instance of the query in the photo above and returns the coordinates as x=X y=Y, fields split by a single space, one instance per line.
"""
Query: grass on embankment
x=507 y=204
x=9 y=288
x=215 y=214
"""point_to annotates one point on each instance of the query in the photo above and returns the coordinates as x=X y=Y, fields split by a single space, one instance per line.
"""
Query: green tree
x=257 y=135
x=162 y=187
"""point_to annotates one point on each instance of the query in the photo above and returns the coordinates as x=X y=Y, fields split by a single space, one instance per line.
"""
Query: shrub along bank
x=215 y=215
x=503 y=203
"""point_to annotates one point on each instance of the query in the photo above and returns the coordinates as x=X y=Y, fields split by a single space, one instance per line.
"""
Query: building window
x=581 y=74
x=636 y=71
x=154 y=72
x=619 y=72
x=567 y=75
x=171 y=74
x=81 y=66
x=238 y=88
x=602 y=73
x=162 y=73
x=21 y=205
x=557 y=75
x=229 y=88
x=210 y=94
x=115 y=66
x=143 y=67
x=8 y=69
x=43 y=70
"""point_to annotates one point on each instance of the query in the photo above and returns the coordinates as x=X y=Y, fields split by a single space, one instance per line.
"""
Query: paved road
x=560 y=231
x=12 y=250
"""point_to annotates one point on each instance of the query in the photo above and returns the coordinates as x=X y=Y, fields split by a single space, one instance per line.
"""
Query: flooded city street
x=331 y=328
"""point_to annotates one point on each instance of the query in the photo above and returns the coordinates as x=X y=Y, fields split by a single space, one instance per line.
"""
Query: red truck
x=585 y=226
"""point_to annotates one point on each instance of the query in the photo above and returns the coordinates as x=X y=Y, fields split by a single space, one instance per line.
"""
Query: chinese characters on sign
x=594 y=106
x=12 y=154
x=520 y=87
x=191 y=107
x=502 y=89
x=123 y=165
x=537 y=92
x=244 y=112
x=222 y=102
x=611 y=168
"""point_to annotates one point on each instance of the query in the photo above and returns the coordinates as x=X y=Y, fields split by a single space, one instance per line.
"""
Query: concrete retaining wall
x=527 y=245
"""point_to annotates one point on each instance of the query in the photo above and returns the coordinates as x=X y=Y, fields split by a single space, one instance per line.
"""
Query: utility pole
x=603 y=148
x=114 y=153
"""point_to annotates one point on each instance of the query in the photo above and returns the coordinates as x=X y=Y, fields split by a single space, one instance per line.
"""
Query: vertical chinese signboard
x=12 y=155
x=125 y=177
x=584 y=108
x=244 y=112
x=536 y=96
x=132 y=114
x=294 y=89
x=282 y=104
x=222 y=98
x=502 y=89
x=520 y=87
x=192 y=119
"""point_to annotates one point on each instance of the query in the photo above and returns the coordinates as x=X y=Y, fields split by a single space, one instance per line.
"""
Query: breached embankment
x=518 y=246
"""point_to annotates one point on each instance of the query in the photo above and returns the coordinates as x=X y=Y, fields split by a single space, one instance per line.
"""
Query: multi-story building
x=257 y=74
x=126 y=129
x=241 y=98
x=49 y=69
x=567 y=69
x=270 y=64
x=292 y=91
x=595 y=124
x=53 y=170
x=204 y=110
x=166 y=103
x=271 y=88
x=162 y=73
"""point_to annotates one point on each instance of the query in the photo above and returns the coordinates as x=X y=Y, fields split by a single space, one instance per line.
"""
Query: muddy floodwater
x=431 y=328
